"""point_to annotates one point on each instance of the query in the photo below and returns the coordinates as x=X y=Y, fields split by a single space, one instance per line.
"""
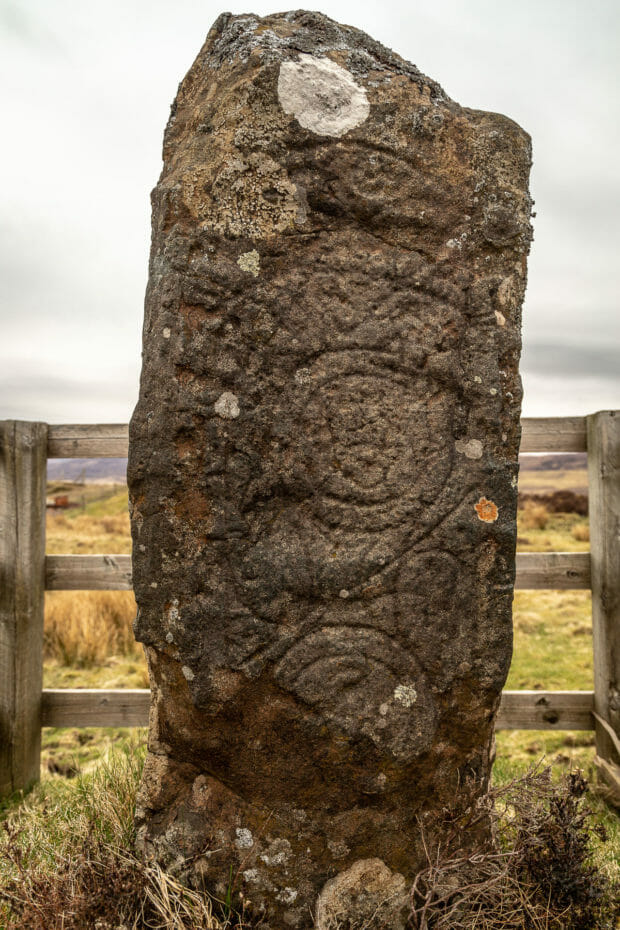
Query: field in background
x=543 y=474
x=89 y=640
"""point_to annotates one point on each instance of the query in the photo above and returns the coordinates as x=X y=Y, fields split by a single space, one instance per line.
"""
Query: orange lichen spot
x=487 y=511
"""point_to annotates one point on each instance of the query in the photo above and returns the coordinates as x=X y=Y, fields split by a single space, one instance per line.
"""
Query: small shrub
x=558 y=502
x=535 y=516
x=540 y=876
x=581 y=532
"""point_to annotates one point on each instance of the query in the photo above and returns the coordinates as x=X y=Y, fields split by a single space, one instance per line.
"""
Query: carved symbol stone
x=322 y=463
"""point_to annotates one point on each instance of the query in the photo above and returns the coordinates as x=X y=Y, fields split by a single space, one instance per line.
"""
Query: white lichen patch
x=458 y=242
x=250 y=875
x=406 y=695
x=322 y=96
x=338 y=849
x=302 y=375
x=343 y=593
x=165 y=332
x=169 y=638
x=279 y=853
x=250 y=262
x=187 y=672
x=243 y=838
x=227 y=406
x=471 y=448
x=287 y=895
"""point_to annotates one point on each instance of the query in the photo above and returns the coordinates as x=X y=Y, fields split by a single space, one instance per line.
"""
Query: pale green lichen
x=406 y=694
x=250 y=262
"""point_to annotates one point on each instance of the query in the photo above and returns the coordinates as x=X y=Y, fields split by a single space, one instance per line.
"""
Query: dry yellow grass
x=85 y=628
x=89 y=631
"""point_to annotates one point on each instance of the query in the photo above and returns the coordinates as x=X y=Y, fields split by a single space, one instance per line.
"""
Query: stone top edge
x=278 y=35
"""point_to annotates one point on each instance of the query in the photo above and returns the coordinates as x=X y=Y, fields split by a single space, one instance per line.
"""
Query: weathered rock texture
x=323 y=464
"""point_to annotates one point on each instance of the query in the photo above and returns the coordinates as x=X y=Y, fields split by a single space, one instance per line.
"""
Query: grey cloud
x=52 y=398
x=573 y=361
x=84 y=150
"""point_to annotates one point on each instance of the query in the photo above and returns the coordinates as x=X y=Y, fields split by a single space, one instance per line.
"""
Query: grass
x=545 y=481
x=66 y=863
x=89 y=643
x=98 y=523
x=561 y=532
x=88 y=635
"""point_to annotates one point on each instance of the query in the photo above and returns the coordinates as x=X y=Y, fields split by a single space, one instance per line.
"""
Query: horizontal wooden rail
x=546 y=710
x=89 y=707
x=77 y=441
x=88 y=573
x=554 y=434
x=110 y=440
x=519 y=710
x=551 y=570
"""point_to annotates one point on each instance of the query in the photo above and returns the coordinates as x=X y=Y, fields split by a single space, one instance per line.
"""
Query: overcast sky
x=86 y=94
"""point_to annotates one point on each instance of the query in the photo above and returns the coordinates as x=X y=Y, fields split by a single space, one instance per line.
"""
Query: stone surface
x=323 y=461
x=368 y=895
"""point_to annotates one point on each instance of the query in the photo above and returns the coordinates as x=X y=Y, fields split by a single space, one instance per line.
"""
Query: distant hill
x=115 y=470
x=90 y=470
x=553 y=461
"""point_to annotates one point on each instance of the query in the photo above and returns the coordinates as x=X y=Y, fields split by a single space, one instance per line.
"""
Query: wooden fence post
x=604 y=508
x=23 y=459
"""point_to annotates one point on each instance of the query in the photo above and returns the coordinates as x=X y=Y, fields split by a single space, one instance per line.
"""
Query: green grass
x=560 y=534
x=552 y=641
x=71 y=752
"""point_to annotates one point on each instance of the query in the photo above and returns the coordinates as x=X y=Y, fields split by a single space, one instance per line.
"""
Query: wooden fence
x=26 y=572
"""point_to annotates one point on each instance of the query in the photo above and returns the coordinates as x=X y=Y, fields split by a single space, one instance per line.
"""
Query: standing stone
x=323 y=466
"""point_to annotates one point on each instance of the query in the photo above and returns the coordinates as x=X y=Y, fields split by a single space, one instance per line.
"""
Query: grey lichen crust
x=323 y=465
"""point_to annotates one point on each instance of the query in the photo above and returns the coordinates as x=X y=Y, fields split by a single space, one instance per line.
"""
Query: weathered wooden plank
x=85 y=440
x=553 y=434
x=22 y=553
x=553 y=570
x=546 y=710
x=520 y=710
x=88 y=573
x=604 y=497
x=609 y=774
x=77 y=440
x=95 y=708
